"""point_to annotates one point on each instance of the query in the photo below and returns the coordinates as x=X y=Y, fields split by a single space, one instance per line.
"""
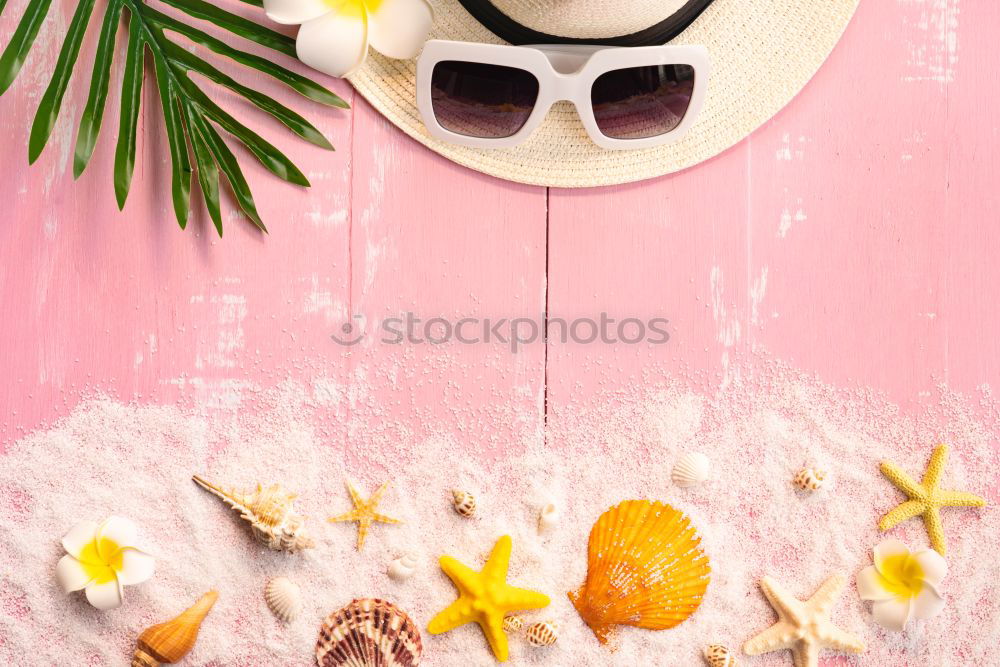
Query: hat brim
x=763 y=52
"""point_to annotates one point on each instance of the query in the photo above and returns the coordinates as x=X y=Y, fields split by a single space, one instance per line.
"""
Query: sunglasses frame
x=564 y=72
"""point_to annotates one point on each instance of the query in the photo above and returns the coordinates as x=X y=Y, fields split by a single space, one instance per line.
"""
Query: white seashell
x=464 y=502
x=542 y=633
x=718 y=655
x=284 y=598
x=548 y=517
x=691 y=469
x=809 y=479
x=403 y=567
x=270 y=513
x=512 y=624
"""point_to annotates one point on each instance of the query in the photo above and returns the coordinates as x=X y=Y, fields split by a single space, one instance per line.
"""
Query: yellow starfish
x=925 y=498
x=364 y=512
x=803 y=627
x=485 y=597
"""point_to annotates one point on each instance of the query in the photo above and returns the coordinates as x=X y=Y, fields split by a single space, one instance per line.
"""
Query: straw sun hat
x=762 y=52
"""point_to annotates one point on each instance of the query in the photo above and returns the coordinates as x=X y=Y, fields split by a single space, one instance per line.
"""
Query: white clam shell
x=284 y=598
x=548 y=517
x=403 y=567
x=691 y=469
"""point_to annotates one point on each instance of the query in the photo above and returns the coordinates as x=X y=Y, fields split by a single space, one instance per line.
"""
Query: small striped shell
x=809 y=479
x=369 y=633
x=645 y=568
x=691 y=469
x=542 y=633
x=717 y=655
x=512 y=624
x=464 y=503
x=284 y=598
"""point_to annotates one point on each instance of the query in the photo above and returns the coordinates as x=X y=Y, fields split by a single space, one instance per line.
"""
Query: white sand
x=108 y=458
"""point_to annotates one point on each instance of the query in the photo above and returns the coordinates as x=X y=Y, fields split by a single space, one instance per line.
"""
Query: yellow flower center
x=902 y=575
x=100 y=569
x=356 y=9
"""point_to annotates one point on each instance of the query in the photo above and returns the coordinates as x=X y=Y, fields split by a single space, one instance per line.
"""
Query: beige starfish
x=925 y=498
x=364 y=512
x=803 y=627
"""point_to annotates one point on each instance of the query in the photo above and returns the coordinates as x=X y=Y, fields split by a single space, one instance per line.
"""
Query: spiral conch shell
x=548 y=517
x=284 y=598
x=403 y=567
x=464 y=502
x=167 y=643
x=369 y=633
x=717 y=655
x=645 y=568
x=542 y=633
x=269 y=513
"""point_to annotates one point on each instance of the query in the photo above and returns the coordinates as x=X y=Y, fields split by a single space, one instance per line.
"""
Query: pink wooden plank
x=126 y=303
x=838 y=235
x=438 y=241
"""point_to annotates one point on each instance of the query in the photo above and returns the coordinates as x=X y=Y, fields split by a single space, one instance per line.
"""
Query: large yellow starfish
x=803 y=627
x=485 y=597
x=364 y=512
x=925 y=498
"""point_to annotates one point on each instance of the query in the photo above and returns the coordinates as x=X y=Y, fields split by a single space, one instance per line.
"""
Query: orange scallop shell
x=645 y=568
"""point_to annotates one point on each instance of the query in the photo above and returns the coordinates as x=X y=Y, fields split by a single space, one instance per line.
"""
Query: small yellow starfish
x=485 y=597
x=804 y=628
x=364 y=512
x=925 y=498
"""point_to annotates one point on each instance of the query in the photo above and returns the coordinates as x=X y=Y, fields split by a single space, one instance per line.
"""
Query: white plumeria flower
x=903 y=585
x=335 y=34
x=102 y=558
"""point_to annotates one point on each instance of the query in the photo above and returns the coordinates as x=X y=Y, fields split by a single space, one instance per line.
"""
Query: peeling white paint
x=933 y=49
x=757 y=291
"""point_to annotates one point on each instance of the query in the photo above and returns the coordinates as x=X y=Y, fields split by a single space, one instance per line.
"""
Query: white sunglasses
x=495 y=96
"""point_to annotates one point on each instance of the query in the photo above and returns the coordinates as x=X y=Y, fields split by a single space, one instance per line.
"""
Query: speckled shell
x=717 y=655
x=369 y=633
x=169 y=642
x=645 y=567
x=464 y=503
x=809 y=479
x=691 y=469
x=284 y=598
x=403 y=567
x=512 y=624
x=270 y=515
x=542 y=633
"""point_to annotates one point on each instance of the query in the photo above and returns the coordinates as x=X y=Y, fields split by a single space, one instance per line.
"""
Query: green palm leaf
x=190 y=115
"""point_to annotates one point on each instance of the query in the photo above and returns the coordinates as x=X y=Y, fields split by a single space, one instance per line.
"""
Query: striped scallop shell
x=542 y=633
x=284 y=598
x=369 y=633
x=645 y=568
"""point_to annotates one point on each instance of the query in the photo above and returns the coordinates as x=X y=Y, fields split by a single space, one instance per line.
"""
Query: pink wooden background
x=853 y=236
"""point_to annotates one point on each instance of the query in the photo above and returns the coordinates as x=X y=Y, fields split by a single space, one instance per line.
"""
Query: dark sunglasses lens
x=480 y=100
x=642 y=102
